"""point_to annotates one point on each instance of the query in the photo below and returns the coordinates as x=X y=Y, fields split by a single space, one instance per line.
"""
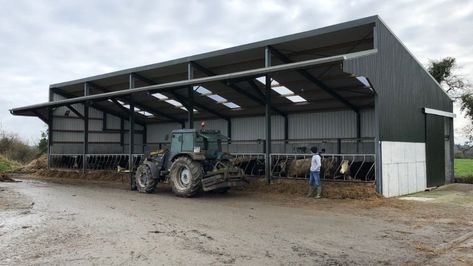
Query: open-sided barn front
x=352 y=89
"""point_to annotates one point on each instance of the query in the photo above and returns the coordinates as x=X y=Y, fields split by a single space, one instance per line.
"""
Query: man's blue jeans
x=314 y=178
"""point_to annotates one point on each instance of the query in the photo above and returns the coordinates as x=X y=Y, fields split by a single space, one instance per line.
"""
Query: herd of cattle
x=336 y=168
x=333 y=167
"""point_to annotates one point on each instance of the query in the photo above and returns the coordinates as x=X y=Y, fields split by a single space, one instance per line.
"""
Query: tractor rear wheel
x=145 y=182
x=186 y=177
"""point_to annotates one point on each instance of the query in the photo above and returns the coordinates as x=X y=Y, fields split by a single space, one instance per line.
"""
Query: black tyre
x=186 y=177
x=145 y=182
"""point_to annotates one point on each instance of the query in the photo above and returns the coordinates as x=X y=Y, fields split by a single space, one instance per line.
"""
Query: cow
x=299 y=168
x=345 y=170
x=251 y=166
x=327 y=168
x=357 y=170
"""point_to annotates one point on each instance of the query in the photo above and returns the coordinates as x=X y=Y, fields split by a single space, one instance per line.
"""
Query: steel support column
x=358 y=131
x=85 y=150
x=122 y=134
x=229 y=128
x=286 y=132
x=144 y=134
x=451 y=149
x=190 y=97
x=50 y=128
x=267 y=63
x=131 y=134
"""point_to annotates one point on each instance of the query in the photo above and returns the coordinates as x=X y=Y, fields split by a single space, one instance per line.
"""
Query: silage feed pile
x=94 y=176
x=39 y=167
x=331 y=190
x=37 y=164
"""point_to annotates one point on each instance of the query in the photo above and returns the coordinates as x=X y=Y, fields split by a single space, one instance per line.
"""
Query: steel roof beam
x=311 y=78
x=236 y=88
x=40 y=116
x=180 y=98
x=256 y=88
x=96 y=106
x=141 y=106
x=75 y=111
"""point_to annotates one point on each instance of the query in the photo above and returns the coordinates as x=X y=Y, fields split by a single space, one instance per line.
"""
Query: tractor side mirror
x=166 y=137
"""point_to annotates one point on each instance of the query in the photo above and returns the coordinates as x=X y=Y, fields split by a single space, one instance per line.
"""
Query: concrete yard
x=69 y=222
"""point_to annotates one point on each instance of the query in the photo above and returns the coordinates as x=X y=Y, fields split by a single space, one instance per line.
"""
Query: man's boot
x=310 y=193
x=319 y=192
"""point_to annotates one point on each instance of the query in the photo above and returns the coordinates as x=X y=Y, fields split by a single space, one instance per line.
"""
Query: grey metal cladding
x=367 y=123
x=252 y=128
x=68 y=137
x=104 y=137
x=403 y=88
x=138 y=138
x=340 y=124
x=322 y=125
x=113 y=122
x=137 y=126
x=94 y=148
x=64 y=123
x=157 y=132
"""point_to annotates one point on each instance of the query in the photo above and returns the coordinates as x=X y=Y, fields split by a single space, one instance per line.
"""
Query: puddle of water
x=31 y=181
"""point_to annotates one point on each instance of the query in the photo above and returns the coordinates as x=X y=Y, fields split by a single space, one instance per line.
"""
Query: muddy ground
x=70 y=222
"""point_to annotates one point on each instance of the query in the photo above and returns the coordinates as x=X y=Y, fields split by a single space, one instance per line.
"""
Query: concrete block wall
x=403 y=168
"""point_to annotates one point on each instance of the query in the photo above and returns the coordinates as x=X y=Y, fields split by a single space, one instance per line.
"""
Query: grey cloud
x=44 y=42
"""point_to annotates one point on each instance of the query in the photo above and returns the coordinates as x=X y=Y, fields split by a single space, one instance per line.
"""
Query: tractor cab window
x=188 y=142
x=176 y=143
x=214 y=145
x=211 y=144
x=201 y=142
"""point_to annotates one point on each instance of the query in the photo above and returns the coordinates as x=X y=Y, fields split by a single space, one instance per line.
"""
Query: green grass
x=463 y=167
x=8 y=165
x=464 y=170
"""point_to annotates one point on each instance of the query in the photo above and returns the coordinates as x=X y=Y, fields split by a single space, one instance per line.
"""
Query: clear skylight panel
x=296 y=99
x=275 y=86
x=232 y=105
x=174 y=102
x=202 y=90
x=147 y=114
x=261 y=79
x=217 y=98
x=283 y=91
x=160 y=96
x=185 y=109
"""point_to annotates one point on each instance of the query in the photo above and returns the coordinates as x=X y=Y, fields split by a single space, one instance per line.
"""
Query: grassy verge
x=464 y=170
x=8 y=165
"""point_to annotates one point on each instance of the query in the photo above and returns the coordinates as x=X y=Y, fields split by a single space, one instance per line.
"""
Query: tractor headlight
x=196 y=149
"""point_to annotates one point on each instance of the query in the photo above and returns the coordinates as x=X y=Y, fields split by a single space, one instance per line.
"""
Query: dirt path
x=50 y=223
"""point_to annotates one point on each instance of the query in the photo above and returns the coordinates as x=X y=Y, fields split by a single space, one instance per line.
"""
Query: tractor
x=193 y=163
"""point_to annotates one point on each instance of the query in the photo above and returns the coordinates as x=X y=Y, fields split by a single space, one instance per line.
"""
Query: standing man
x=314 y=177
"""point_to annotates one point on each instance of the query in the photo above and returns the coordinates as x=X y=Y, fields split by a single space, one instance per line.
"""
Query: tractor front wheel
x=145 y=182
x=186 y=177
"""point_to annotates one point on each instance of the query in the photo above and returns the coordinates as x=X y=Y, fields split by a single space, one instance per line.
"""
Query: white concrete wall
x=403 y=168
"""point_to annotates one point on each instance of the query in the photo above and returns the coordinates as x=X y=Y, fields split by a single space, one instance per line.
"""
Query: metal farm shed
x=351 y=88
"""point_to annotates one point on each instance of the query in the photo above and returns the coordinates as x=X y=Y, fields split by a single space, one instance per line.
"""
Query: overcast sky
x=45 y=42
